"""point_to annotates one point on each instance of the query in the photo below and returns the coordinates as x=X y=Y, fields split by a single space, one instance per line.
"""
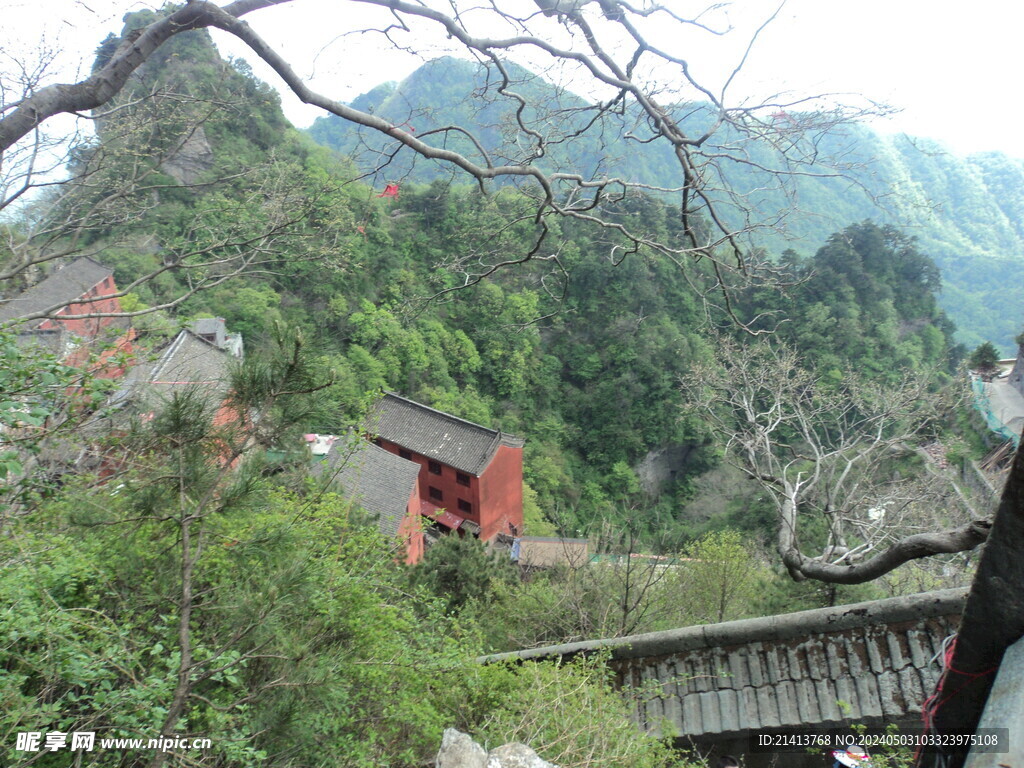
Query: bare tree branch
x=826 y=451
x=585 y=36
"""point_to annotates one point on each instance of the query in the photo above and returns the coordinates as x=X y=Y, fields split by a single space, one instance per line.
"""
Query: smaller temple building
x=470 y=478
x=382 y=484
x=191 y=361
x=71 y=312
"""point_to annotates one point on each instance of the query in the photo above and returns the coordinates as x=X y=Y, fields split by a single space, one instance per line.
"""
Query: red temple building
x=470 y=478
x=46 y=314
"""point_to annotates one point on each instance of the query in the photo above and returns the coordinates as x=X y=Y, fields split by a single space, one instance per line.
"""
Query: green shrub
x=568 y=712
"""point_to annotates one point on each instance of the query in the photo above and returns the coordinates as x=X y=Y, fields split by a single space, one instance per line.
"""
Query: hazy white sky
x=952 y=67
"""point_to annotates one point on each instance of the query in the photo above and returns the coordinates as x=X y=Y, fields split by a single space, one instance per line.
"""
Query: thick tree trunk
x=914 y=547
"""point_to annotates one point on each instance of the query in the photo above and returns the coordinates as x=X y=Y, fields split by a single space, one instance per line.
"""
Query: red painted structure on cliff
x=471 y=477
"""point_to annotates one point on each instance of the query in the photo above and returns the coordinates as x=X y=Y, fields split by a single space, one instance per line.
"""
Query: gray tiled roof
x=187 y=361
x=61 y=287
x=53 y=340
x=791 y=670
x=378 y=481
x=448 y=439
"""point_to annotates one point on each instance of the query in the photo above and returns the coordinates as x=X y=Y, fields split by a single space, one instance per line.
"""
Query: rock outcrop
x=191 y=159
x=460 y=751
x=659 y=467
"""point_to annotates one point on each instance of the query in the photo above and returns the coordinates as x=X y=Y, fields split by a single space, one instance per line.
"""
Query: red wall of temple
x=496 y=497
x=411 y=529
x=446 y=482
x=88 y=327
x=94 y=340
x=501 y=493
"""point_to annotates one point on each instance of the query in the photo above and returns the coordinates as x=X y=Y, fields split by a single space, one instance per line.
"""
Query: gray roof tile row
x=876 y=671
x=186 y=361
x=827 y=666
x=380 y=482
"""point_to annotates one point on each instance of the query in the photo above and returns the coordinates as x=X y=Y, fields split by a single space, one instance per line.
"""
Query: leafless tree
x=571 y=597
x=615 y=589
x=646 y=92
x=834 y=452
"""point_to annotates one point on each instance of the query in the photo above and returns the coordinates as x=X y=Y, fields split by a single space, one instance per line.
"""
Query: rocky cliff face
x=191 y=160
x=660 y=467
x=1016 y=378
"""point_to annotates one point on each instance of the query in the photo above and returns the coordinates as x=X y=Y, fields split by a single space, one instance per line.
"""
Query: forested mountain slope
x=586 y=363
x=965 y=211
x=192 y=579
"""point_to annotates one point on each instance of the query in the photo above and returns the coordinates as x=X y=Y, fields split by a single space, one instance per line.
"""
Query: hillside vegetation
x=964 y=211
x=584 y=360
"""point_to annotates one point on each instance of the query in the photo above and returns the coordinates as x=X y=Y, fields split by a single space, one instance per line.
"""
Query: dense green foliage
x=866 y=300
x=460 y=569
x=550 y=707
x=966 y=211
x=209 y=594
x=984 y=358
x=294 y=649
x=308 y=647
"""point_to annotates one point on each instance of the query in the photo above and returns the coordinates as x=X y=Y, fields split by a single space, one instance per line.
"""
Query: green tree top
x=984 y=358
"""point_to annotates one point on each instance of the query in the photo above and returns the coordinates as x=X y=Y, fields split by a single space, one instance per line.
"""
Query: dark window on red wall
x=465 y=506
x=461 y=478
x=404 y=453
x=435 y=493
x=434 y=467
